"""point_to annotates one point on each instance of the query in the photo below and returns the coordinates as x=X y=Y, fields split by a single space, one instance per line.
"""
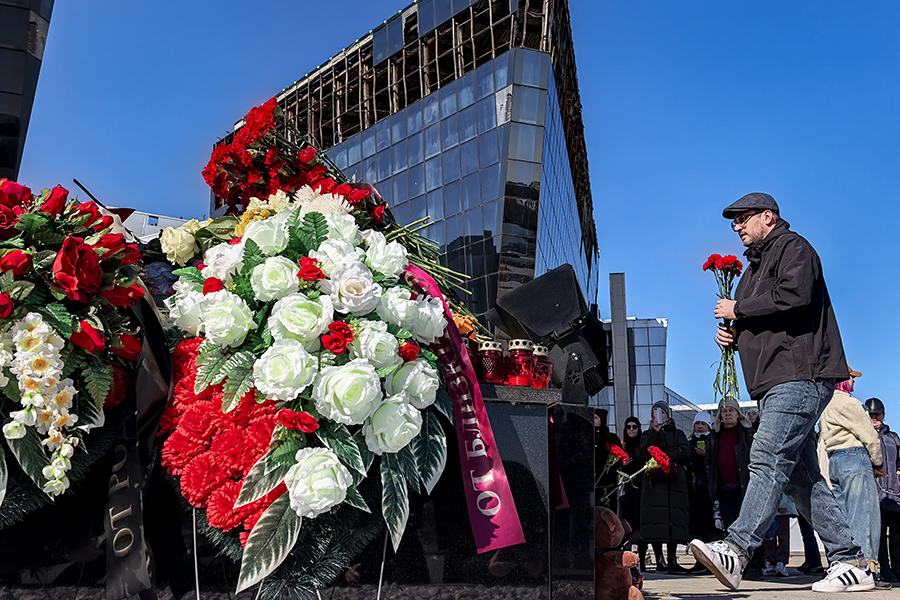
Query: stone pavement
x=703 y=587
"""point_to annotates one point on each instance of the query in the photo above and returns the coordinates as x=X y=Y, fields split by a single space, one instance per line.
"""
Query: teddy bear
x=612 y=567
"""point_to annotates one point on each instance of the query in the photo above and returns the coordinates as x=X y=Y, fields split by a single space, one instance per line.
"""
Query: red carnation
x=409 y=351
x=6 y=305
x=212 y=284
x=309 y=271
x=16 y=261
x=299 y=421
x=119 y=388
x=711 y=262
x=89 y=338
x=200 y=477
x=617 y=452
x=76 y=269
x=661 y=458
x=307 y=155
x=56 y=201
x=378 y=213
x=129 y=347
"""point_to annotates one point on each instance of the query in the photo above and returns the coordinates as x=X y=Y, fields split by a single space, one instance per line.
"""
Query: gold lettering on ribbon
x=122 y=533
x=119 y=546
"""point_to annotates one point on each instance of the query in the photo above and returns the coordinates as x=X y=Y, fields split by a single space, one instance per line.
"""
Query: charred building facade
x=468 y=113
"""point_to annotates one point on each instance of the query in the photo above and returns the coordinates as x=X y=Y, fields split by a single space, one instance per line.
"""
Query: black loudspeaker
x=551 y=311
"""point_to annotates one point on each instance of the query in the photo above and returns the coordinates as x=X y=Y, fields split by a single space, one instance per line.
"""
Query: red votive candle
x=490 y=366
x=543 y=368
x=520 y=363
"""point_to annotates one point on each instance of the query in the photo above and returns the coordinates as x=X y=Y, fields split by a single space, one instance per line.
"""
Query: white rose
x=389 y=259
x=284 y=370
x=393 y=425
x=268 y=234
x=398 y=307
x=275 y=278
x=226 y=318
x=430 y=320
x=343 y=227
x=376 y=345
x=300 y=318
x=331 y=253
x=178 y=244
x=349 y=393
x=223 y=261
x=184 y=306
x=192 y=226
x=316 y=482
x=352 y=288
x=418 y=379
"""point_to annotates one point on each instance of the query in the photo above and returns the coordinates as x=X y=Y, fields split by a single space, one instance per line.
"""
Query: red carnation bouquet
x=658 y=460
x=726 y=269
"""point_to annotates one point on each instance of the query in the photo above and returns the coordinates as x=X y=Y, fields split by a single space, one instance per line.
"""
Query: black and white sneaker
x=844 y=577
x=721 y=559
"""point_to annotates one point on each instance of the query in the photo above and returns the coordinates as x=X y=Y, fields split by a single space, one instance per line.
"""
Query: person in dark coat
x=729 y=474
x=665 y=505
x=604 y=479
x=702 y=523
x=630 y=494
x=888 y=493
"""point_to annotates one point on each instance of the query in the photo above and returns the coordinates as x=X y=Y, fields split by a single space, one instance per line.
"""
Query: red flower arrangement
x=725 y=268
x=661 y=458
x=617 y=452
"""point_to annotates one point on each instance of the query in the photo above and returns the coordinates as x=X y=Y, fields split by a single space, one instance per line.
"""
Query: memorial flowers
x=726 y=269
x=658 y=460
x=64 y=344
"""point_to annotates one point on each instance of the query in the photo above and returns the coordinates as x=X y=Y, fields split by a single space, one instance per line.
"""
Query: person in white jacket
x=854 y=459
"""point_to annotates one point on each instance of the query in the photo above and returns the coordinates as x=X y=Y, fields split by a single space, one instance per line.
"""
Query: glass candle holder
x=543 y=368
x=520 y=363
x=490 y=367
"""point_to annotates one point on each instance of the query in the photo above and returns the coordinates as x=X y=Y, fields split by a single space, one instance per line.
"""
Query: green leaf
x=338 y=438
x=4 y=475
x=209 y=362
x=295 y=241
x=385 y=371
x=90 y=414
x=394 y=498
x=259 y=481
x=7 y=280
x=269 y=543
x=58 y=317
x=191 y=274
x=221 y=228
x=283 y=454
x=398 y=332
x=314 y=230
x=98 y=379
x=238 y=360
x=407 y=460
x=239 y=382
x=46 y=237
x=31 y=455
x=430 y=449
x=354 y=498
x=429 y=355
x=32 y=222
x=253 y=257
x=43 y=259
x=21 y=290
x=367 y=455
x=11 y=389
x=444 y=403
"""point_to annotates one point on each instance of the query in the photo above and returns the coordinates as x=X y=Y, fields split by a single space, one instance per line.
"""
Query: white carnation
x=275 y=278
x=352 y=288
x=393 y=425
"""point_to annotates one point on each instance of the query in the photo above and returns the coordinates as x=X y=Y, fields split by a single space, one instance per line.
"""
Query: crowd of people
x=702 y=495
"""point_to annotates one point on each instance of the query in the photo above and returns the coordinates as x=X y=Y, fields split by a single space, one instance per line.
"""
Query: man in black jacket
x=792 y=356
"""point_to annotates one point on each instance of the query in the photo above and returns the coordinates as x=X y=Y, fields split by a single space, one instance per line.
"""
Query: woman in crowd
x=753 y=417
x=702 y=524
x=630 y=495
x=888 y=494
x=728 y=460
x=853 y=452
x=665 y=513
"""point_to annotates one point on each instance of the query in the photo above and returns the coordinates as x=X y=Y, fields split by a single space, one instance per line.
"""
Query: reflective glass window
x=340 y=157
x=526 y=142
x=501 y=70
x=468 y=155
x=532 y=68
x=490 y=183
x=384 y=165
x=355 y=172
x=431 y=111
x=380 y=44
x=642 y=375
x=383 y=131
x=414 y=118
x=436 y=205
x=488 y=148
x=443 y=10
x=426 y=16
x=448 y=100
x=452 y=198
x=465 y=89
x=399 y=156
x=433 y=173
x=386 y=188
x=398 y=127
x=451 y=164
x=395 y=35
x=475 y=266
x=416 y=180
x=370 y=170
x=523 y=180
x=529 y=105
x=474 y=226
x=401 y=213
x=640 y=336
x=436 y=234
x=657 y=355
x=415 y=149
x=354 y=150
x=484 y=81
x=454 y=228
x=487 y=115
x=658 y=374
x=657 y=336
x=417 y=209
x=642 y=355
x=449 y=132
x=471 y=191
x=368 y=142
x=401 y=188
x=468 y=124
x=491 y=218
x=432 y=141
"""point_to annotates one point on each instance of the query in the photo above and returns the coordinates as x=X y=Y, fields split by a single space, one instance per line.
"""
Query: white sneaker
x=781 y=570
x=844 y=577
x=768 y=570
x=719 y=558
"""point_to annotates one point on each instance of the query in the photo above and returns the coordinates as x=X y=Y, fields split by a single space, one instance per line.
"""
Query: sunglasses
x=631 y=427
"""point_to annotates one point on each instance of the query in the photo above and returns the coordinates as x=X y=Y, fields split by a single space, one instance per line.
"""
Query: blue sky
x=687 y=106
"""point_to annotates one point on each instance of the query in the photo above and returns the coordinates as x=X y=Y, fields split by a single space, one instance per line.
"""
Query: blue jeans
x=783 y=459
x=850 y=471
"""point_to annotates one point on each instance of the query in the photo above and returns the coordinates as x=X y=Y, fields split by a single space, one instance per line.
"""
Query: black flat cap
x=754 y=201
